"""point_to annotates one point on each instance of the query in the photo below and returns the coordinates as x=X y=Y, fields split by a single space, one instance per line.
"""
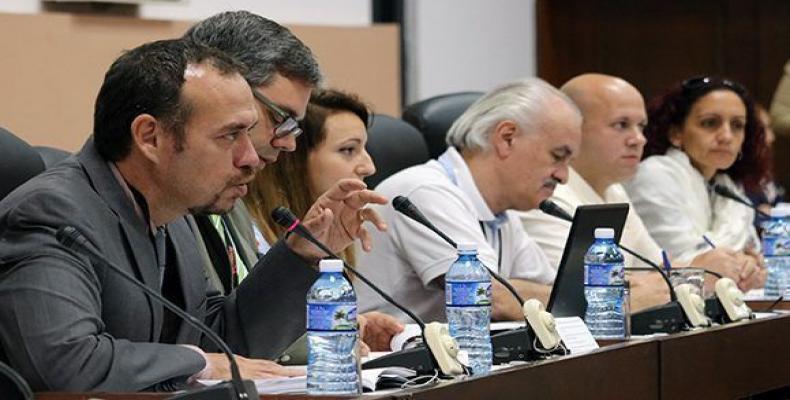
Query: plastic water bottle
x=604 y=287
x=332 y=366
x=776 y=251
x=468 y=307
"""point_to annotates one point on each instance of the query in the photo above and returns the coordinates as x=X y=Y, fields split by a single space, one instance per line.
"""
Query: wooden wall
x=52 y=65
x=654 y=43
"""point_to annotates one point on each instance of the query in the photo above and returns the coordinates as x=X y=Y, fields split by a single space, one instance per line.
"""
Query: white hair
x=526 y=102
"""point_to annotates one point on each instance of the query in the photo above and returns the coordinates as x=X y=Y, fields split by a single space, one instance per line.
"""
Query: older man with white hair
x=507 y=151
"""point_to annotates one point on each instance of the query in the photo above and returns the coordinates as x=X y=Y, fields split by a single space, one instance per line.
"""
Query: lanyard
x=444 y=161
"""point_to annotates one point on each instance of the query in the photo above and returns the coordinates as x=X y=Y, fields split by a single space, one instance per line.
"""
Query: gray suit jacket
x=68 y=323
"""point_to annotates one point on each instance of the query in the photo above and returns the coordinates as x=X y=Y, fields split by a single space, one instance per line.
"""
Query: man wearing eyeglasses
x=282 y=73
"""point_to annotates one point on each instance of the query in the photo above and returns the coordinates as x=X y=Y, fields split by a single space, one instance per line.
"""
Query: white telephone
x=693 y=305
x=444 y=348
x=731 y=299
x=542 y=323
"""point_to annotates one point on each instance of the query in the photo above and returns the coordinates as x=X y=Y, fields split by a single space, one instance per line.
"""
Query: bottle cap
x=467 y=246
x=604 y=233
x=330 y=265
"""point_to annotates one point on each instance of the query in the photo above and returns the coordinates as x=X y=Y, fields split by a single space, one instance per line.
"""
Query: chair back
x=18 y=162
x=51 y=156
x=434 y=117
x=394 y=145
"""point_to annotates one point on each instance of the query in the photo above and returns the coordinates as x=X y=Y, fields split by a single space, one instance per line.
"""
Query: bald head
x=614 y=116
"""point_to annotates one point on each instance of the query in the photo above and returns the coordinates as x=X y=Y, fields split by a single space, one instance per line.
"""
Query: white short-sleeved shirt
x=674 y=201
x=551 y=233
x=408 y=257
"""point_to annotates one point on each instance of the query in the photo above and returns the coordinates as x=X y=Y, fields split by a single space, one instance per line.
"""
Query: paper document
x=575 y=335
x=298 y=384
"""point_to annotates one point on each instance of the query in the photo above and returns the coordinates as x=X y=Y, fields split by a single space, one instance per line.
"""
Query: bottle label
x=468 y=293
x=775 y=246
x=331 y=316
x=604 y=274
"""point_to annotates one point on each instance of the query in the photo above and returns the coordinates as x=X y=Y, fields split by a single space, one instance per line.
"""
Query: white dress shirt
x=678 y=208
x=551 y=233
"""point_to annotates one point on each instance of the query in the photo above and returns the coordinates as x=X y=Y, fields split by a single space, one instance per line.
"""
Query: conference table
x=733 y=361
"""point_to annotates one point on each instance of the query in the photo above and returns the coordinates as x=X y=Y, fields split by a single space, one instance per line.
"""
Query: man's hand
x=647 y=289
x=377 y=329
x=336 y=219
x=219 y=368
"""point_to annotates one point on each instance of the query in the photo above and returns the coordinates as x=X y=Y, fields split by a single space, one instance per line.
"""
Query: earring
x=740 y=155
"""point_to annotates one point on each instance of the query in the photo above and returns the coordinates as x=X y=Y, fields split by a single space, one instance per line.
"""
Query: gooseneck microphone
x=513 y=345
x=425 y=360
x=285 y=218
x=403 y=205
x=238 y=389
x=724 y=191
x=551 y=208
x=670 y=317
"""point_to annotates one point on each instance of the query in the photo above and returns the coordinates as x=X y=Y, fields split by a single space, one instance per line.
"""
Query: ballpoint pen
x=708 y=241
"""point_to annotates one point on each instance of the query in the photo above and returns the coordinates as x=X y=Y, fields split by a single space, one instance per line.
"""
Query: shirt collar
x=137 y=199
x=459 y=173
x=582 y=189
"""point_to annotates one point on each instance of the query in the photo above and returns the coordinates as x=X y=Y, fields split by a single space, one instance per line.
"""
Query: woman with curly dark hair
x=703 y=131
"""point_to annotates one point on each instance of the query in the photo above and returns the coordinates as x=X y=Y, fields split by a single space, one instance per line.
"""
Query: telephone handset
x=693 y=305
x=731 y=299
x=542 y=323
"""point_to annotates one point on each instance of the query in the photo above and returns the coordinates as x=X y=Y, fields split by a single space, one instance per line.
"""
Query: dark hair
x=286 y=183
x=262 y=45
x=670 y=110
x=148 y=80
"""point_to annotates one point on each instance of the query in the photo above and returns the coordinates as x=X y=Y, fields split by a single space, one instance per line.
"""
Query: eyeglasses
x=703 y=82
x=285 y=124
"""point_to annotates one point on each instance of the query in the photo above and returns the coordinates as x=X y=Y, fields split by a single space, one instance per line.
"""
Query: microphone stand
x=423 y=360
x=667 y=318
x=512 y=345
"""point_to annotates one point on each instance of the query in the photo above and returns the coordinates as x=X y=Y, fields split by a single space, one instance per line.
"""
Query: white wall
x=459 y=45
x=303 y=12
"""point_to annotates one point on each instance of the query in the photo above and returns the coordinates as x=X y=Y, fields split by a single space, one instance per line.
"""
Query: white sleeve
x=732 y=223
x=529 y=261
x=429 y=254
x=661 y=198
x=550 y=233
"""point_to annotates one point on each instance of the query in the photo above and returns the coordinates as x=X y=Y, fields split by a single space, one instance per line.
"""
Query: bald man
x=613 y=119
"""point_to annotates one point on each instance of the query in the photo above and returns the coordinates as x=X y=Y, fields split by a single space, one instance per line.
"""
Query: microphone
x=724 y=191
x=507 y=346
x=670 y=317
x=238 y=389
x=14 y=385
x=551 y=208
x=404 y=206
x=441 y=349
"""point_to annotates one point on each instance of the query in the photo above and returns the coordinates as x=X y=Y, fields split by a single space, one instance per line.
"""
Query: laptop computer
x=567 y=294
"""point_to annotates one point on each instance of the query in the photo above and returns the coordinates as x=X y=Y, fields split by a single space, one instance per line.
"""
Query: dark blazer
x=67 y=323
